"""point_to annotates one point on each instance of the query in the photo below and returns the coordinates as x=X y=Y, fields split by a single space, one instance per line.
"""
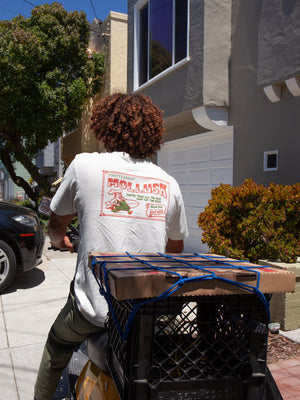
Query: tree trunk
x=22 y=157
x=18 y=180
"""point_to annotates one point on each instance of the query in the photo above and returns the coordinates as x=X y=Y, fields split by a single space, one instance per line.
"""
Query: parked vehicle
x=21 y=241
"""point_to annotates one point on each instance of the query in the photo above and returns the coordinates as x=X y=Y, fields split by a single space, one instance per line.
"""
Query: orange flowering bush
x=253 y=222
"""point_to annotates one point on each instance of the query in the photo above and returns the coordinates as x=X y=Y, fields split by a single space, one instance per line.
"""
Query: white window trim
x=161 y=75
x=136 y=43
x=266 y=154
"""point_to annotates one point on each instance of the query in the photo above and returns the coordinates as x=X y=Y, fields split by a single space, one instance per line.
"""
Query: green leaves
x=253 y=222
x=46 y=75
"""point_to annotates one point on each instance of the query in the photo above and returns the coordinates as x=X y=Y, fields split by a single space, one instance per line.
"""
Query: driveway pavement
x=29 y=308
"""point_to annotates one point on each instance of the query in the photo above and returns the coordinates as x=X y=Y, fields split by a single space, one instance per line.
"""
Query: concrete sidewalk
x=28 y=310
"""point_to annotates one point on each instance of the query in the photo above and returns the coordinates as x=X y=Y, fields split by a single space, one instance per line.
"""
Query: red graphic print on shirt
x=133 y=196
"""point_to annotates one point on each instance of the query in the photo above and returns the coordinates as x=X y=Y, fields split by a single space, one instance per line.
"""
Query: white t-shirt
x=123 y=204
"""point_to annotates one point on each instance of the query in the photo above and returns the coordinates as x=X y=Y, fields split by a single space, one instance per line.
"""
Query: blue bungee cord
x=210 y=275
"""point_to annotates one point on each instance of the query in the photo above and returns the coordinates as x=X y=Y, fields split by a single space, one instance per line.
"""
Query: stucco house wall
x=203 y=78
x=265 y=55
x=244 y=62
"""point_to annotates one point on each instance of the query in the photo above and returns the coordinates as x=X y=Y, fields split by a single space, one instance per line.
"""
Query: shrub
x=253 y=222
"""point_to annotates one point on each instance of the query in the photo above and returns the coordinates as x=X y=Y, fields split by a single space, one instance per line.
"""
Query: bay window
x=161 y=37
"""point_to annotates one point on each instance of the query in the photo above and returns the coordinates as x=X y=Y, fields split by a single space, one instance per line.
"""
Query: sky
x=93 y=8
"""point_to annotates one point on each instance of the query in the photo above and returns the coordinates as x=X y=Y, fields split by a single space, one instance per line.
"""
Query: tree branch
x=40 y=179
x=18 y=180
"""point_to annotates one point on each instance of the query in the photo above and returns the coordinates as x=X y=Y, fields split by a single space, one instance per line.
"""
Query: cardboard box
x=137 y=276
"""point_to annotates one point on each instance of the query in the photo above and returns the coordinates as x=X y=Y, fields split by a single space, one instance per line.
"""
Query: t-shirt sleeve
x=64 y=200
x=178 y=229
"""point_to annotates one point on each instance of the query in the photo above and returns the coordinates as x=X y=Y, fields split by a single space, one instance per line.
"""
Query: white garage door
x=199 y=163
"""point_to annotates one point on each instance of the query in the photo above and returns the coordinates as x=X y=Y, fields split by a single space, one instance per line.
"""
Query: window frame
x=137 y=24
x=270 y=153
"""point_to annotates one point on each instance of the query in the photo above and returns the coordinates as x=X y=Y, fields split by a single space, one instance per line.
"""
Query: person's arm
x=174 y=246
x=57 y=227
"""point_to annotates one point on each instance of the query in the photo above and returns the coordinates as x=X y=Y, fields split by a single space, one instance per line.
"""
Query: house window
x=161 y=36
x=271 y=160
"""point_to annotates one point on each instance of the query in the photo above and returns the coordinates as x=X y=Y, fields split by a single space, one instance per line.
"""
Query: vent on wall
x=271 y=160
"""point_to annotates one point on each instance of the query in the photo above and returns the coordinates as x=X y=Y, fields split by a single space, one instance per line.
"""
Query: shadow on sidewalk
x=26 y=280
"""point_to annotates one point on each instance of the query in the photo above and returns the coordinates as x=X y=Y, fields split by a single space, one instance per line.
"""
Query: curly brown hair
x=129 y=123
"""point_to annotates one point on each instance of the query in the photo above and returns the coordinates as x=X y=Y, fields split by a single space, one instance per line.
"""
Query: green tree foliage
x=253 y=222
x=46 y=74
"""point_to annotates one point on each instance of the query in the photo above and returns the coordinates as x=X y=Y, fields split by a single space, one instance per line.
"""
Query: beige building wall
x=109 y=38
x=118 y=49
x=112 y=42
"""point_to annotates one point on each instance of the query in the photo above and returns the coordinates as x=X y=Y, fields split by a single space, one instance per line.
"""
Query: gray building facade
x=227 y=75
x=265 y=90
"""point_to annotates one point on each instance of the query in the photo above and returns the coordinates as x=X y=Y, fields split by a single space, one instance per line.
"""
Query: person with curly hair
x=124 y=202
x=128 y=123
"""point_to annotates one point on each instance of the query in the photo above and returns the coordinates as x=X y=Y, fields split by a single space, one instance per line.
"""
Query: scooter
x=170 y=343
x=89 y=373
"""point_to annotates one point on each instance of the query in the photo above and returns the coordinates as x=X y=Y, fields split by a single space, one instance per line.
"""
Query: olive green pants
x=69 y=330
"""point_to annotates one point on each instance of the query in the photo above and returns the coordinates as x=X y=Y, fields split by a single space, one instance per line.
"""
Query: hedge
x=253 y=222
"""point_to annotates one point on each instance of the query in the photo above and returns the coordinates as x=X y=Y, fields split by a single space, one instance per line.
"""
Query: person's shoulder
x=162 y=171
x=163 y=174
x=85 y=158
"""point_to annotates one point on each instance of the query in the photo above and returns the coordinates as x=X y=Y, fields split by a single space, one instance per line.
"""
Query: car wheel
x=8 y=265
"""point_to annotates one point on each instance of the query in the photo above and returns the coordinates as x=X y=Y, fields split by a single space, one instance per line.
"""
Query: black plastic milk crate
x=206 y=347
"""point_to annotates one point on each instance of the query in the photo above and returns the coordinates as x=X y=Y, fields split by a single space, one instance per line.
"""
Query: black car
x=21 y=241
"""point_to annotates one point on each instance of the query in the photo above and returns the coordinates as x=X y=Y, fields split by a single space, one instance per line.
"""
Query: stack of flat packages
x=135 y=276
